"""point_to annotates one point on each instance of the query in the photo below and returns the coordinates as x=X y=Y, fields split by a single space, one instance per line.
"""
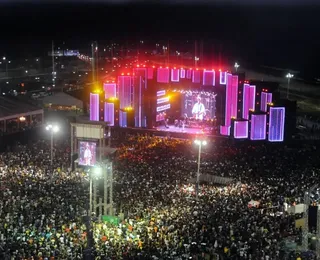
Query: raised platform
x=174 y=129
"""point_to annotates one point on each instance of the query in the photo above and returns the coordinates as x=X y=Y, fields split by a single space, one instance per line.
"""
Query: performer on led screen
x=198 y=110
x=87 y=156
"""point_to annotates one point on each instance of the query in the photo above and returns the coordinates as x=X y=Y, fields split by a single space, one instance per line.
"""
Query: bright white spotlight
x=97 y=171
x=204 y=142
x=55 y=129
x=197 y=142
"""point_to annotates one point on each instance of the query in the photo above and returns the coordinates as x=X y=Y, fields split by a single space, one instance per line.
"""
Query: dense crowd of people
x=42 y=205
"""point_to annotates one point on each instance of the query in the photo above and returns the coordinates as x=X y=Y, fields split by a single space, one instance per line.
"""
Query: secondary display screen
x=87 y=153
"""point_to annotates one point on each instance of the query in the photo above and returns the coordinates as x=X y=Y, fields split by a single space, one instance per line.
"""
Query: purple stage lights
x=175 y=75
x=109 y=113
x=249 y=99
x=266 y=98
x=123 y=119
x=189 y=74
x=94 y=107
x=208 y=78
x=224 y=130
x=276 y=124
x=163 y=75
x=110 y=90
x=258 y=127
x=196 y=76
x=228 y=100
x=125 y=91
x=182 y=73
x=240 y=129
x=223 y=77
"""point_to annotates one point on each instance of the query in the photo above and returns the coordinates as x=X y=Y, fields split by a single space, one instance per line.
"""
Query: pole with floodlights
x=200 y=143
x=53 y=129
x=289 y=76
x=236 y=65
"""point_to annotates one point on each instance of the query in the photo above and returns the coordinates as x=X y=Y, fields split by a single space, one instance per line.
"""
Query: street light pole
x=199 y=143
x=53 y=129
x=51 y=151
x=198 y=171
x=288 y=76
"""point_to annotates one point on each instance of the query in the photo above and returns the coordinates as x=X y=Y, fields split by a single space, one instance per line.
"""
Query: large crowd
x=42 y=206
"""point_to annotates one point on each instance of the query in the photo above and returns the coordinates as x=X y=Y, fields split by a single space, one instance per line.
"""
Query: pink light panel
x=265 y=99
x=208 y=78
x=189 y=74
x=240 y=129
x=94 y=107
x=110 y=90
x=228 y=100
x=123 y=119
x=249 y=99
x=182 y=73
x=125 y=91
x=109 y=113
x=258 y=127
x=175 y=75
x=163 y=75
x=223 y=77
x=224 y=130
x=276 y=124
x=196 y=76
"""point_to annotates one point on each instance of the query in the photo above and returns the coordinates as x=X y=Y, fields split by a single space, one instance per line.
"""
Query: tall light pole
x=53 y=129
x=288 y=76
x=236 y=65
x=200 y=143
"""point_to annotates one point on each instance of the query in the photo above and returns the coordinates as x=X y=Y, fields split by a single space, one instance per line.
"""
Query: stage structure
x=88 y=151
x=191 y=100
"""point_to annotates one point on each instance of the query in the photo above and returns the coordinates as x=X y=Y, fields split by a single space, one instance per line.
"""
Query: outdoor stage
x=174 y=129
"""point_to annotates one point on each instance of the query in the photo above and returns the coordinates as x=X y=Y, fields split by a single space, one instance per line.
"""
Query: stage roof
x=12 y=108
x=62 y=99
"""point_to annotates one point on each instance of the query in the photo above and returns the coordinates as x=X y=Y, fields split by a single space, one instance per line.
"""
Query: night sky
x=285 y=36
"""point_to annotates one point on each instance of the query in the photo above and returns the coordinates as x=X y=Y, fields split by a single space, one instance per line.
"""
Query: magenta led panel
x=234 y=96
x=249 y=99
x=125 y=91
x=196 y=76
x=182 y=73
x=175 y=75
x=276 y=124
x=163 y=75
x=224 y=130
x=240 y=129
x=208 y=78
x=258 y=127
x=189 y=74
x=94 y=107
x=223 y=77
x=123 y=119
x=228 y=100
x=109 y=113
x=150 y=73
x=265 y=99
x=110 y=90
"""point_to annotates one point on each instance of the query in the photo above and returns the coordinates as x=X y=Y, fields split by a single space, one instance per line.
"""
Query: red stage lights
x=122 y=74
x=138 y=65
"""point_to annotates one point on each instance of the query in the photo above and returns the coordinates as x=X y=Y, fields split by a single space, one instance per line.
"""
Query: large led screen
x=87 y=153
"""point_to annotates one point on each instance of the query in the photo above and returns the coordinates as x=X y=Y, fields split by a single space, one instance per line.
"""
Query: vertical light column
x=125 y=87
x=150 y=73
x=175 y=75
x=123 y=119
x=276 y=124
x=249 y=99
x=109 y=113
x=94 y=107
x=227 y=120
x=196 y=76
x=110 y=90
x=189 y=74
x=208 y=78
x=223 y=77
x=258 y=127
x=234 y=97
x=182 y=73
x=266 y=98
